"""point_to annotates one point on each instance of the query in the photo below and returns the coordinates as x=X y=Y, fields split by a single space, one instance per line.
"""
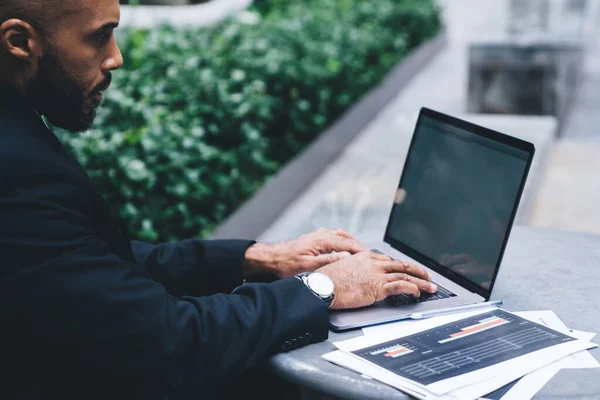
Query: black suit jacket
x=86 y=313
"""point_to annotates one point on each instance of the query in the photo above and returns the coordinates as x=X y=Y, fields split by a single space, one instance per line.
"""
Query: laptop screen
x=456 y=199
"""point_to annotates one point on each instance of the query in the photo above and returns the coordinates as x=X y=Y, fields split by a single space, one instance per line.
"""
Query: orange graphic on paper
x=478 y=327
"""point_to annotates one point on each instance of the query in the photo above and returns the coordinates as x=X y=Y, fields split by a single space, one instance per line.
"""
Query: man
x=88 y=314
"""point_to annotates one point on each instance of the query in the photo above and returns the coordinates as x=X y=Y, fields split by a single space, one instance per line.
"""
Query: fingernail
x=433 y=287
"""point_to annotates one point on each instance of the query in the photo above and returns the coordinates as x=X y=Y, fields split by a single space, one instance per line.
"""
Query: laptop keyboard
x=406 y=299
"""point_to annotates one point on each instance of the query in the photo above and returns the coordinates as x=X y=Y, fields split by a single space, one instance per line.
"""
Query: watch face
x=320 y=284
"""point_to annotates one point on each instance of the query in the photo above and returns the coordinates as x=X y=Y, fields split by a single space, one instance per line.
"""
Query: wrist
x=260 y=258
x=338 y=287
x=320 y=285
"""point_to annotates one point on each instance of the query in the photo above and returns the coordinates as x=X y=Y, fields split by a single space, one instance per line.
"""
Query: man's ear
x=20 y=39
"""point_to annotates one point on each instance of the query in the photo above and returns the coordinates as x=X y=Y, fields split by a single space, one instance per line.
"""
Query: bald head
x=44 y=15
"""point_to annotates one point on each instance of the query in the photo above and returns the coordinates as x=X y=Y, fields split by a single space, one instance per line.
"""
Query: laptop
x=452 y=214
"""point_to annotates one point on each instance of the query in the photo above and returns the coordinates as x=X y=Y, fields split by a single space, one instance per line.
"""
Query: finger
x=380 y=257
x=321 y=230
x=332 y=257
x=325 y=259
x=343 y=254
x=422 y=284
x=332 y=242
x=343 y=233
x=407 y=268
x=401 y=287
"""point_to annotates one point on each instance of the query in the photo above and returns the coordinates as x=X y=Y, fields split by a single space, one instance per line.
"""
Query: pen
x=452 y=310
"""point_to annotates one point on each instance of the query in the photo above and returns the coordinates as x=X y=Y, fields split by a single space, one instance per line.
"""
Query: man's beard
x=55 y=94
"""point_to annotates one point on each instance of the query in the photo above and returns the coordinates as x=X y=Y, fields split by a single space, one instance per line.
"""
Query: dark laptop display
x=457 y=198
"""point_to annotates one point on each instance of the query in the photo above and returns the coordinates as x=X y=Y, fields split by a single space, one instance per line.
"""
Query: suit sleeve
x=69 y=294
x=194 y=267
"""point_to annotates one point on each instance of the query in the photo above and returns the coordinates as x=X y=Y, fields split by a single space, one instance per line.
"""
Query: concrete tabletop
x=542 y=269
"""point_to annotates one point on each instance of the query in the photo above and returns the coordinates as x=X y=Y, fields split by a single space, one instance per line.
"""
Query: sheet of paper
x=583 y=359
x=465 y=392
x=398 y=327
x=490 y=377
x=545 y=317
x=578 y=334
x=510 y=370
x=351 y=362
x=529 y=385
x=532 y=383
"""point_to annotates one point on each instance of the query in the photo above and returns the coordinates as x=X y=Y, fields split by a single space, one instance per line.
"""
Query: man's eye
x=103 y=37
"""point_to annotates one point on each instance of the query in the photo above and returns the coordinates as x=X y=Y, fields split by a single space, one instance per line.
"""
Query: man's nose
x=115 y=59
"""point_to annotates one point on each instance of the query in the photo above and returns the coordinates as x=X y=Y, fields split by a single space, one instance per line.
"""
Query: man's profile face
x=76 y=65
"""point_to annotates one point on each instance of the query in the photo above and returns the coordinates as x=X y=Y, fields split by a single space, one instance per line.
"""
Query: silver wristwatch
x=320 y=284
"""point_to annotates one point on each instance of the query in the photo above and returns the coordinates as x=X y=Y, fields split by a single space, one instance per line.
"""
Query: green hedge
x=198 y=119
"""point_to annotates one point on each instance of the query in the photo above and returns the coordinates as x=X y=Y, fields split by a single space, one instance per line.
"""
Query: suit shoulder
x=22 y=153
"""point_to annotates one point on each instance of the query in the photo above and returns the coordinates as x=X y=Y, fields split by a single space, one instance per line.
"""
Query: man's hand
x=364 y=278
x=307 y=253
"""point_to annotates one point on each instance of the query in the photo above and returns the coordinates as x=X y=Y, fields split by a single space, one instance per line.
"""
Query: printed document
x=490 y=348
